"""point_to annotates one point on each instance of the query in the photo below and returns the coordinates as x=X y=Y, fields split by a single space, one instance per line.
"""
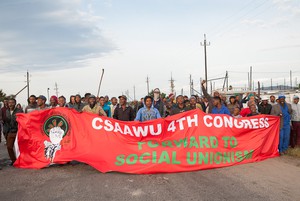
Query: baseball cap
x=281 y=96
x=92 y=96
x=42 y=97
x=123 y=96
x=171 y=95
x=296 y=97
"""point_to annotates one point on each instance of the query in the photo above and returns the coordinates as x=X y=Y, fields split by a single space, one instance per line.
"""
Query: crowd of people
x=154 y=107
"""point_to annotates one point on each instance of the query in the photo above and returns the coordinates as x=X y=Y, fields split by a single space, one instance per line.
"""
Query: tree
x=2 y=95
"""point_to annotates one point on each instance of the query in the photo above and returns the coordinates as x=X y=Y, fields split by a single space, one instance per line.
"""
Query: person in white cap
x=264 y=107
x=295 y=134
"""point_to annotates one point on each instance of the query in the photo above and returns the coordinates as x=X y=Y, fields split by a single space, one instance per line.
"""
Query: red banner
x=189 y=141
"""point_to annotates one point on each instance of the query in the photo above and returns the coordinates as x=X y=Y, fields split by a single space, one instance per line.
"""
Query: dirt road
x=273 y=179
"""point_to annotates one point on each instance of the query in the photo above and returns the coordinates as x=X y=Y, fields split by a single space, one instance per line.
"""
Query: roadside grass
x=294 y=152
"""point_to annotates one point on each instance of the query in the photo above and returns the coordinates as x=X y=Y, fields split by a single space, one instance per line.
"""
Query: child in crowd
x=236 y=113
x=253 y=111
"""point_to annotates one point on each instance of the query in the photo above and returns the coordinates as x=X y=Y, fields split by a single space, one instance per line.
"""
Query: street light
x=48 y=89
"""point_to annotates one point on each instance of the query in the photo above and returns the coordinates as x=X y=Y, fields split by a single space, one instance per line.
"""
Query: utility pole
x=56 y=89
x=227 y=80
x=201 y=85
x=101 y=78
x=249 y=81
x=271 y=84
x=192 y=88
x=190 y=84
x=291 y=80
x=147 y=85
x=134 y=92
x=258 y=89
x=172 y=84
x=250 y=78
x=127 y=94
x=27 y=76
x=205 y=55
x=283 y=83
x=181 y=91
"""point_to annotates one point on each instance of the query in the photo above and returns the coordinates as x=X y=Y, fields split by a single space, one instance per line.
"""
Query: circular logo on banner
x=55 y=127
x=56 y=122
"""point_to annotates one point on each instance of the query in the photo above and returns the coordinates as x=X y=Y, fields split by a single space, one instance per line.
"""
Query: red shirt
x=245 y=112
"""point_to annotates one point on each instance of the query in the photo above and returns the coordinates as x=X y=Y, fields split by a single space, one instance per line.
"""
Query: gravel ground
x=273 y=179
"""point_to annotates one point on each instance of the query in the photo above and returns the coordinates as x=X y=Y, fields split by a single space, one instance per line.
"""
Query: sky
x=70 y=42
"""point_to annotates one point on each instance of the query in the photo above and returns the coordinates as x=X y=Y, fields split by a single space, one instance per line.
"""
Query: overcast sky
x=69 y=42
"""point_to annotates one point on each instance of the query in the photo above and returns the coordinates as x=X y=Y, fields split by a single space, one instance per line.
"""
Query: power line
x=233 y=24
x=192 y=46
x=10 y=81
x=287 y=72
x=221 y=23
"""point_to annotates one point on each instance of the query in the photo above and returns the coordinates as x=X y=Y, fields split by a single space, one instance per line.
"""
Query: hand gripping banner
x=185 y=142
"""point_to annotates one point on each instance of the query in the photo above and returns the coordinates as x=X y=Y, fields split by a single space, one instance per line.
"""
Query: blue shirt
x=106 y=109
x=145 y=115
x=286 y=115
x=222 y=110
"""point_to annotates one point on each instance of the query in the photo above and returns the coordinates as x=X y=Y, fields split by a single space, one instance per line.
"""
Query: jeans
x=295 y=134
x=284 y=138
x=11 y=137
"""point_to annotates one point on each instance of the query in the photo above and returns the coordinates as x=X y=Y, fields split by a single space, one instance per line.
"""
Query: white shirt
x=295 y=112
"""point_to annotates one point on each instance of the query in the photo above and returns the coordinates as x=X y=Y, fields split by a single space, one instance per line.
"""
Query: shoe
x=281 y=153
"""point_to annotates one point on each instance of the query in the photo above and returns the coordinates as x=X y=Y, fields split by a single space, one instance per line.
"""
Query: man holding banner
x=11 y=127
x=93 y=107
x=123 y=112
x=148 y=112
